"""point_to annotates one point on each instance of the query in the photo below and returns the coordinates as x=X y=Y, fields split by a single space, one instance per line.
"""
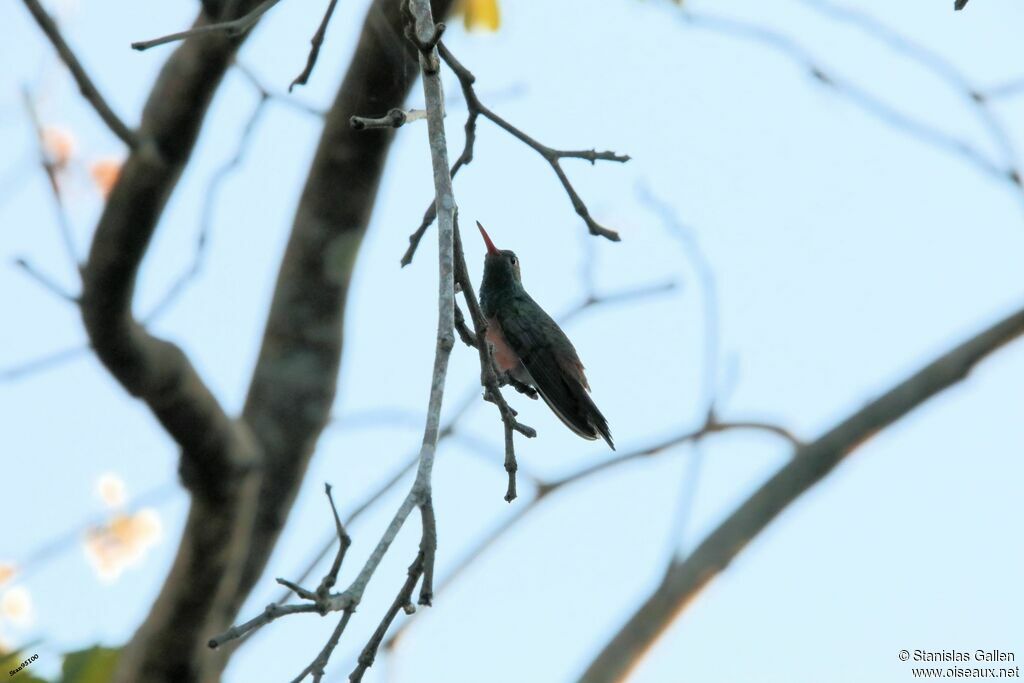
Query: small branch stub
x=395 y=118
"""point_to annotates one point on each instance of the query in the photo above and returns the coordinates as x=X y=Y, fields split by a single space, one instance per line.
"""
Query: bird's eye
x=513 y=260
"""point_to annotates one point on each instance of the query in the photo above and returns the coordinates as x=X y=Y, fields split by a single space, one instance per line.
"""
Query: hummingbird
x=531 y=347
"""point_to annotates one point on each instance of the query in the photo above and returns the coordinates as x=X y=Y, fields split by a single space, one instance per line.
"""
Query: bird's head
x=500 y=265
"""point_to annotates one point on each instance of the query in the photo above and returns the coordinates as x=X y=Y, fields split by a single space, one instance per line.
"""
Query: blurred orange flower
x=104 y=173
x=7 y=572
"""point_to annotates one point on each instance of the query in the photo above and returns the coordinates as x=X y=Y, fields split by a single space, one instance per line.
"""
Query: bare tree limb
x=45 y=281
x=395 y=118
x=217 y=180
x=314 y=50
x=276 y=96
x=685 y=577
x=546 y=488
x=231 y=29
x=932 y=60
x=551 y=155
x=85 y=84
x=467 y=401
x=857 y=95
x=316 y=668
x=44 y=362
x=1003 y=90
x=402 y=601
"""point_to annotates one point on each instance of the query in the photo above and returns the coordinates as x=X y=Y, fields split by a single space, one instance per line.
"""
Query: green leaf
x=94 y=665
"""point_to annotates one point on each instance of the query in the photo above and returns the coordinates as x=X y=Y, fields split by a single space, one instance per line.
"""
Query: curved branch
x=686 y=577
x=85 y=84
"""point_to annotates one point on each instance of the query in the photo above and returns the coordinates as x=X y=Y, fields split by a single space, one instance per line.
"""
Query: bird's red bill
x=491 y=249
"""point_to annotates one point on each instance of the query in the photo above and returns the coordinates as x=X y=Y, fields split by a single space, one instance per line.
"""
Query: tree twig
x=860 y=97
x=213 y=188
x=50 y=168
x=232 y=28
x=85 y=84
x=395 y=118
x=551 y=155
x=403 y=602
x=314 y=49
x=931 y=60
x=44 y=280
x=547 y=488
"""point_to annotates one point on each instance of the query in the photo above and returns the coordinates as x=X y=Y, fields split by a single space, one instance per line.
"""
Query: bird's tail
x=583 y=417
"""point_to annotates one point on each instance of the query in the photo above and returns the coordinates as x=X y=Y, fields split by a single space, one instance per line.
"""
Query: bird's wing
x=550 y=358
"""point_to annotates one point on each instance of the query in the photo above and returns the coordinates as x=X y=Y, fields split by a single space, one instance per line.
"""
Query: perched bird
x=532 y=348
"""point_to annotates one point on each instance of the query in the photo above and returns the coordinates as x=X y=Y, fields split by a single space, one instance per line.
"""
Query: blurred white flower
x=16 y=605
x=60 y=146
x=111 y=490
x=122 y=543
x=148 y=527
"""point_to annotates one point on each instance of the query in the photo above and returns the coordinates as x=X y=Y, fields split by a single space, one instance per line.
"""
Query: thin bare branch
x=269 y=614
x=50 y=168
x=85 y=84
x=428 y=549
x=866 y=101
x=932 y=60
x=44 y=362
x=343 y=543
x=213 y=189
x=317 y=666
x=395 y=118
x=551 y=155
x=44 y=280
x=713 y=426
x=1004 y=90
x=621 y=296
x=403 y=602
x=705 y=276
x=543 y=489
x=314 y=50
x=231 y=29
x=274 y=95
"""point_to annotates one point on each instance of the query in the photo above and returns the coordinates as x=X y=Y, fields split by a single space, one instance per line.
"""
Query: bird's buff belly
x=505 y=358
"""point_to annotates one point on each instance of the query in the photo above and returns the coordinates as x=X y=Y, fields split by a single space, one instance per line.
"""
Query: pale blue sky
x=846 y=254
